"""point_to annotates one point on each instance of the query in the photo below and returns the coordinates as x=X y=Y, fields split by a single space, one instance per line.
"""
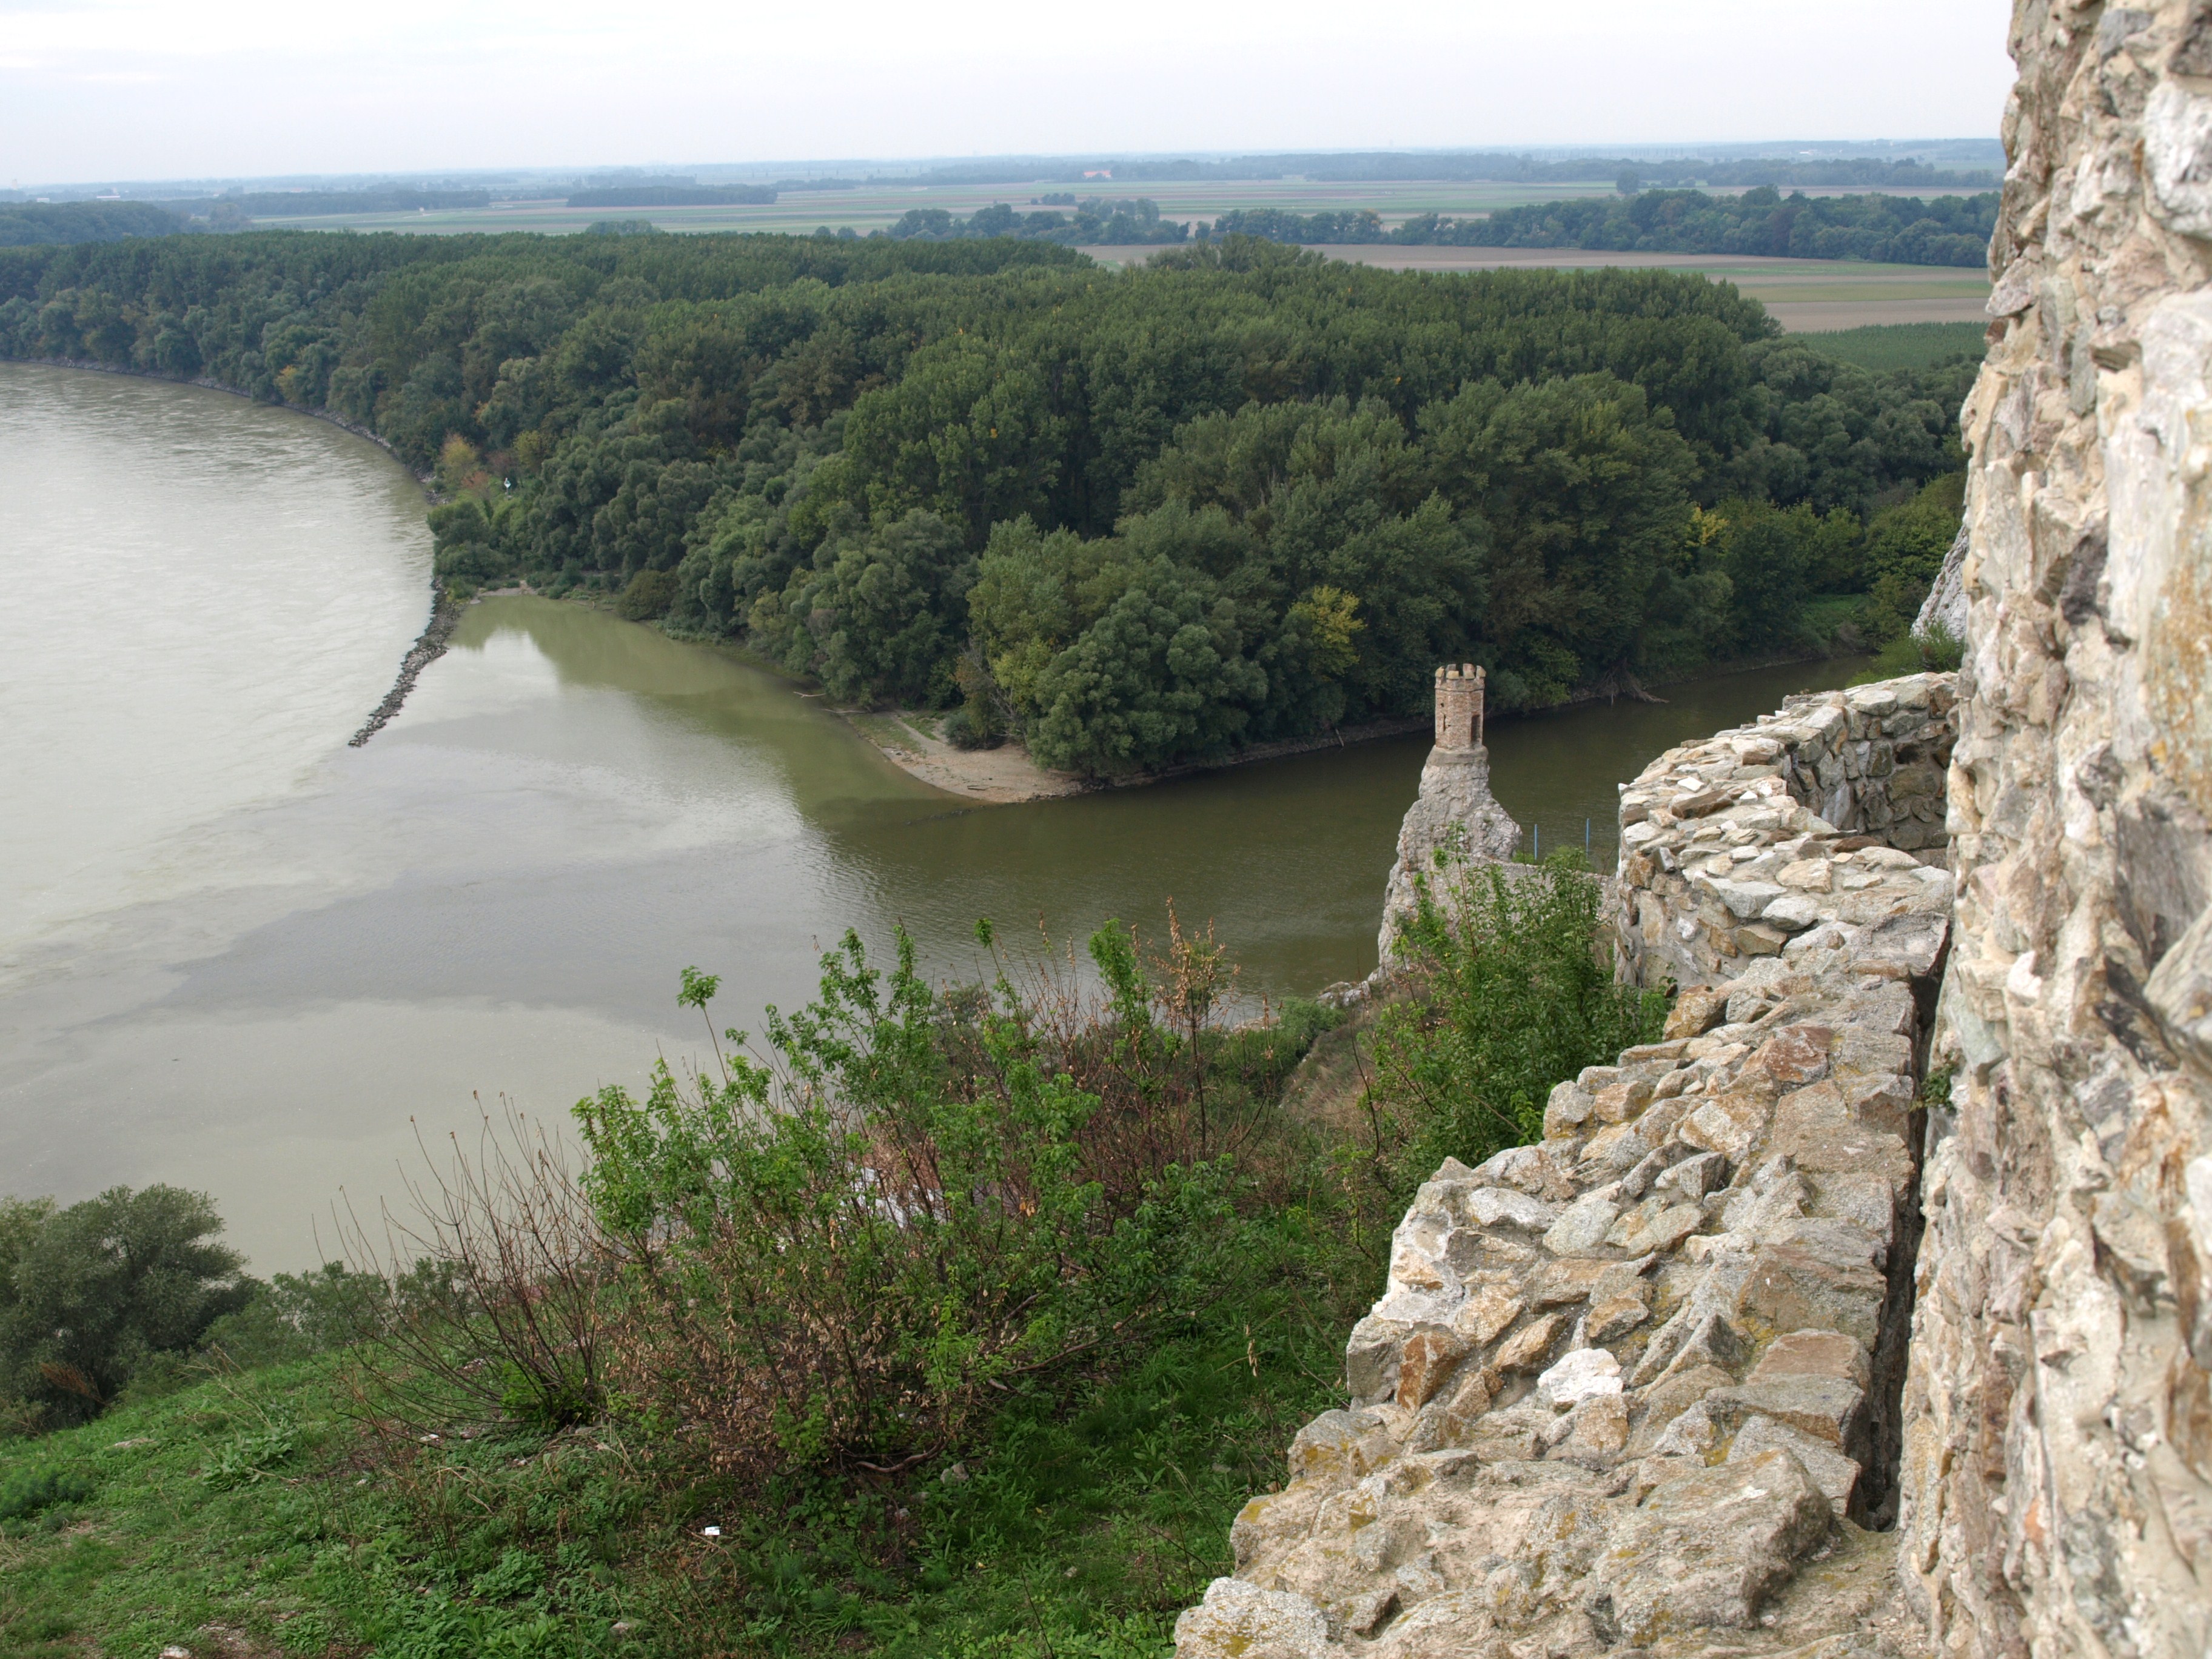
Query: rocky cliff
x=2058 y=1413
x=1455 y=812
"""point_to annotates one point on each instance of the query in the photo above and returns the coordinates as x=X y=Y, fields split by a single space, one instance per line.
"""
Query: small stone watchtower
x=1455 y=809
x=1459 y=707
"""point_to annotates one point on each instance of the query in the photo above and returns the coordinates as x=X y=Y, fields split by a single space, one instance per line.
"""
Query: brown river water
x=238 y=956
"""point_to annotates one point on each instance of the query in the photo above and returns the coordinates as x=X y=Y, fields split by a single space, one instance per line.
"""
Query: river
x=238 y=956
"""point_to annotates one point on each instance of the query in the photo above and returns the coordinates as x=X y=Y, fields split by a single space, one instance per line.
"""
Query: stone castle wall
x=1637 y=1385
x=1694 y=905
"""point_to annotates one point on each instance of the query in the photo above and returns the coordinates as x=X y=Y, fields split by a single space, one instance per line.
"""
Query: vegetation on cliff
x=942 y=1320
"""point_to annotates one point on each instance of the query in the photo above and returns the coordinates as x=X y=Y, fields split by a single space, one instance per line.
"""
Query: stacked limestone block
x=1728 y=846
x=1636 y=1384
x=2058 y=1460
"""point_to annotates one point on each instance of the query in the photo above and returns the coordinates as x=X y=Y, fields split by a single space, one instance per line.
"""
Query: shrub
x=296 y=1314
x=1941 y=650
x=486 y=1298
x=928 y=1205
x=963 y=730
x=1507 y=995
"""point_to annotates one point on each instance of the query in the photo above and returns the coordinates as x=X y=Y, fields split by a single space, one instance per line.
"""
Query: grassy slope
x=1081 y=1531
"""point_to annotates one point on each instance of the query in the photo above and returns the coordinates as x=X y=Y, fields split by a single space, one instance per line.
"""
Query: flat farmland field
x=878 y=207
x=1805 y=295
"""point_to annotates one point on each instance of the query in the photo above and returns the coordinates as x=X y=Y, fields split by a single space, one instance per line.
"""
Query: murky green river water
x=236 y=955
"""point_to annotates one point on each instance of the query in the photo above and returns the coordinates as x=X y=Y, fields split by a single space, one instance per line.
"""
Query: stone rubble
x=1632 y=1384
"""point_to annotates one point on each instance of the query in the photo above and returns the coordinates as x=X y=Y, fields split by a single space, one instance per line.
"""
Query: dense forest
x=34 y=224
x=1132 y=518
x=1949 y=230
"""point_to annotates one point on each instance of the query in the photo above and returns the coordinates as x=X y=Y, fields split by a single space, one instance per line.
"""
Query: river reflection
x=273 y=996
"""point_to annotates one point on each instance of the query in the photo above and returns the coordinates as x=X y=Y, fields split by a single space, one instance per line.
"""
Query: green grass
x=257 y=1508
x=1901 y=656
x=1899 y=346
x=254 y=1505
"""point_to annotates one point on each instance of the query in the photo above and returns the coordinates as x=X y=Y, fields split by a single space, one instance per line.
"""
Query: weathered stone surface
x=1706 y=1549
x=1623 y=1381
x=1455 y=817
x=1834 y=1473
x=2056 y=1480
x=1238 y=1620
x=1945 y=607
x=1778 y=848
x=1696 y=1011
x=1581 y=1375
x=1528 y=1348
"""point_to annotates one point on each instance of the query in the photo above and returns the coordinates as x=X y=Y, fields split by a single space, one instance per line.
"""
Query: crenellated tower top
x=1459 y=706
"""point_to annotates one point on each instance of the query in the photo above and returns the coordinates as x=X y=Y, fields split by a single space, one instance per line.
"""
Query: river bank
x=1006 y=775
x=910 y=739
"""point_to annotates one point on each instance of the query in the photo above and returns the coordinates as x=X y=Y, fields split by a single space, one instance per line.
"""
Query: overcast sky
x=94 y=89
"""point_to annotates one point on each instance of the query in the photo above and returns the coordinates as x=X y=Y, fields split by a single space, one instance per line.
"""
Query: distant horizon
x=126 y=89
x=832 y=166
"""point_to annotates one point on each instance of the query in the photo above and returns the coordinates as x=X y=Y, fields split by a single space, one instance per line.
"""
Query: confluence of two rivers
x=236 y=955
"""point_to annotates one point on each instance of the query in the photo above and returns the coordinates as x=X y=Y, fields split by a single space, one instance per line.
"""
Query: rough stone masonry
x=2058 y=1415
x=1665 y=1381
x=1637 y=1386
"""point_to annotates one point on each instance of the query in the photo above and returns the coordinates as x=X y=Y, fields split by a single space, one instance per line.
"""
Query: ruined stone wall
x=1637 y=1385
x=1692 y=907
x=2058 y=1413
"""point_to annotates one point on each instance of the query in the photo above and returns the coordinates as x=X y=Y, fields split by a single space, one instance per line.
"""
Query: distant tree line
x=34 y=224
x=31 y=224
x=1502 y=166
x=1949 y=230
x=1131 y=518
x=308 y=203
x=1097 y=221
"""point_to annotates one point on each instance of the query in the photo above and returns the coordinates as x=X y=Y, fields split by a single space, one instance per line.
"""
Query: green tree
x=1584 y=487
x=95 y=1289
